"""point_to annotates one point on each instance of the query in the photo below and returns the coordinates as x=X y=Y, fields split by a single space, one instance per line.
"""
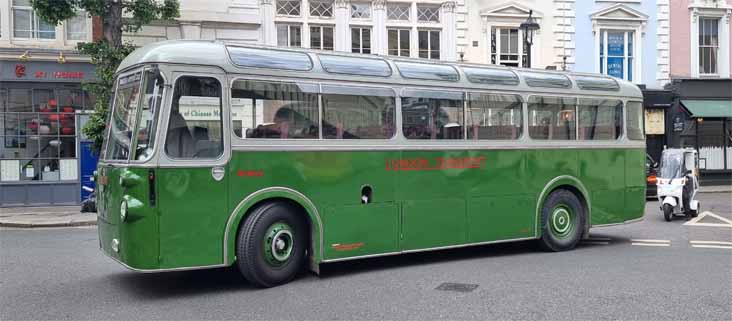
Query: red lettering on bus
x=439 y=163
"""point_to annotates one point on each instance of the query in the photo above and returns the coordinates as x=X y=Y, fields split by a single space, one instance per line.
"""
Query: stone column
x=269 y=30
x=379 y=37
x=448 y=47
x=342 y=25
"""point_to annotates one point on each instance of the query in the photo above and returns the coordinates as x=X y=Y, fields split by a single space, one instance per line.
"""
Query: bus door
x=192 y=180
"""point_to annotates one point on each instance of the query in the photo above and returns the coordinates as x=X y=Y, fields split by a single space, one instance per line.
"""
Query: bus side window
x=358 y=117
x=274 y=110
x=195 y=124
x=552 y=118
x=492 y=116
x=431 y=118
x=600 y=119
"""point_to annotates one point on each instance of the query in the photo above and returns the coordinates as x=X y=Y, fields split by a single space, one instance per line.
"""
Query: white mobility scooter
x=678 y=183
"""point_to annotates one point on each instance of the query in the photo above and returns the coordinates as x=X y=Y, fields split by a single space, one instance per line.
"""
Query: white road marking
x=712 y=246
x=711 y=242
x=695 y=221
x=595 y=242
x=650 y=241
x=651 y=244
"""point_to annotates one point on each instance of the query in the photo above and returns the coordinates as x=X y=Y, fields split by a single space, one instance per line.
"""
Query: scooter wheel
x=668 y=212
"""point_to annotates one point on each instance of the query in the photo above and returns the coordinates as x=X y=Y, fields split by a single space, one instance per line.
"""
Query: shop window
x=399 y=42
x=289 y=35
x=600 y=119
x=288 y=7
x=27 y=24
x=274 y=110
x=708 y=45
x=321 y=37
x=195 y=123
x=77 y=27
x=358 y=116
x=429 y=44
x=361 y=40
x=321 y=8
x=399 y=11
x=432 y=118
x=552 y=118
x=494 y=116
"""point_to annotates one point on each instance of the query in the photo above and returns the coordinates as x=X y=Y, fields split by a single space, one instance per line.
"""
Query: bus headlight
x=123 y=211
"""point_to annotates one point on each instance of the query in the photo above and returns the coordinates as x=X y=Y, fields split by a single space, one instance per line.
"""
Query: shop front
x=42 y=109
x=702 y=119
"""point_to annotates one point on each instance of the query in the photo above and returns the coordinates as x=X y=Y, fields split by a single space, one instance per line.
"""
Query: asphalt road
x=60 y=274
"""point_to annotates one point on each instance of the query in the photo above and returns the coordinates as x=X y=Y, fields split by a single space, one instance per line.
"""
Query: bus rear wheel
x=271 y=245
x=562 y=221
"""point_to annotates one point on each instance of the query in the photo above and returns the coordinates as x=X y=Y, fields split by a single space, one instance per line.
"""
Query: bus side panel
x=433 y=195
x=635 y=178
x=499 y=203
x=193 y=211
x=603 y=173
x=333 y=181
x=547 y=164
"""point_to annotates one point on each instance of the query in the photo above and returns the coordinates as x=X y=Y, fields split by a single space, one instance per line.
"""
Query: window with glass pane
x=195 y=123
x=361 y=10
x=361 y=40
x=398 y=42
x=708 y=45
x=494 y=116
x=274 y=110
x=152 y=94
x=398 y=11
x=429 y=44
x=600 y=119
x=122 y=120
x=634 y=120
x=288 y=7
x=431 y=118
x=358 y=117
x=552 y=118
x=26 y=24
x=428 y=13
x=321 y=37
x=321 y=8
x=506 y=47
x=289 y=35
x=616 y=54
x=76 y=27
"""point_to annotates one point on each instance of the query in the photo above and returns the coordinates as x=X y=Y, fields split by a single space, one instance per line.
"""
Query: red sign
x=20 y=70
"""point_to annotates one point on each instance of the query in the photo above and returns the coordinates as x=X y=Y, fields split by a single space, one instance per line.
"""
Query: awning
x=708 y=108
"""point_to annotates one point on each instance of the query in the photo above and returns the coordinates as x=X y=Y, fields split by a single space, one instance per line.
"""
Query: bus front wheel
x=562 y=221
x=271 y=245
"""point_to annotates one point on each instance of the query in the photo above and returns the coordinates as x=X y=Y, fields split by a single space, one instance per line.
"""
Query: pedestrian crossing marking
x=696 y=221
x=650 y=241
x=651 y=244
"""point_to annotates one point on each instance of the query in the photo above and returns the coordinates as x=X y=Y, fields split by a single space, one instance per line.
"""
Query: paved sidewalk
x=55 y=216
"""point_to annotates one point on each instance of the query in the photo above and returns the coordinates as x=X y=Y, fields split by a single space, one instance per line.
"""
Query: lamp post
x=529 y=27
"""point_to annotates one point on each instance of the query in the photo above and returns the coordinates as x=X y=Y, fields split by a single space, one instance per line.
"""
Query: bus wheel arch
x=573 y=185
x=299 y=203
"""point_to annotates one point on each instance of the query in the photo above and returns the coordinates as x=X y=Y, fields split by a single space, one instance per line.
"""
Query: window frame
x=290 y=38
x=430 y=93
x=34 y=24
x=429 y=43
x=523 y=99
x=82 y=15
x=715 y=48
x=399 y=48
x=360 y=40
x=576 y=99
x=345 y=90
x=322 y=39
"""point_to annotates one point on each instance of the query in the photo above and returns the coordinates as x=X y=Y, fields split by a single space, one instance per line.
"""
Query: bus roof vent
x=547 y=80
x=491 y=76
x=413 y=70
x=355 y=66
x=596 y=83
x=270 y=58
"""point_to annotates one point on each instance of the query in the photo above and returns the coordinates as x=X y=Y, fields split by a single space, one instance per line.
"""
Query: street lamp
x=529 y=27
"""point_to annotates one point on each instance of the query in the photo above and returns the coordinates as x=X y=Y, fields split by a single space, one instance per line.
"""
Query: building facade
x=42 y=106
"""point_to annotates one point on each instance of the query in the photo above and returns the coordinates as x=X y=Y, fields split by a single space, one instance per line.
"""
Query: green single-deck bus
x=276 y=160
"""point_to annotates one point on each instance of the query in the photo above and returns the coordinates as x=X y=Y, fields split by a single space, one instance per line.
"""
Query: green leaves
x=55 y=11
x=144 y=11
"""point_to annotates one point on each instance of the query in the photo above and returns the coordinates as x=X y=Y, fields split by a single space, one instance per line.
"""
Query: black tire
x=553 y=236
x=695 y=213
x=254 y=264
x=668 y=212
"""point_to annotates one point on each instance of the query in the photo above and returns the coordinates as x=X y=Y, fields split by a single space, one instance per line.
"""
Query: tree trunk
x=112 y=24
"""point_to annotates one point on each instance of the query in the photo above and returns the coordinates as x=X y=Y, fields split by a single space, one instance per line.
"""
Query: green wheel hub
x=278 y=244
x=561 y=221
